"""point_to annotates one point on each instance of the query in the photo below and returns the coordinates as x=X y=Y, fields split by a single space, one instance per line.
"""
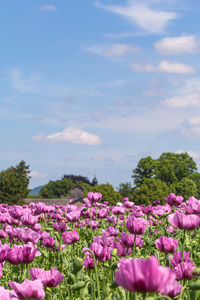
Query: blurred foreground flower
x=28 y=289
x=143 y=275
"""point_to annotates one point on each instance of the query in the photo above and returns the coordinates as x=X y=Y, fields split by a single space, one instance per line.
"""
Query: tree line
x=153 y=179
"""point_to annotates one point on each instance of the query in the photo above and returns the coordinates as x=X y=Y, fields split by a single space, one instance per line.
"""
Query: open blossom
x=94 y=197
x=177 y=258
x=88 y=262
x=48 y=242
x=143 y=275
x=50 y=278
x=172 y=290
x=136 y=225
x=28 y=289
x=28 y=220
x=28 y=235
x=60 y=227
x=173 y=200
x=7 y=294
x=70 y=237
x=121 y=251
x=128 y=240
x=21 y=254
x=4 y=252
x=166 y=244
x=184 y=270
x=187 y=222
x=111 y=231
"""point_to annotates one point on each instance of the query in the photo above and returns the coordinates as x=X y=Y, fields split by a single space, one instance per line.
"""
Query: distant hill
x=36 y=190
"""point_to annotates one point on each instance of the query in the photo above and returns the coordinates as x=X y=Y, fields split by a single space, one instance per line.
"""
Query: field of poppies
x=101 y=252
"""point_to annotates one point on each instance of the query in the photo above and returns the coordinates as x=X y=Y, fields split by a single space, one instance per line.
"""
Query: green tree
x=126 y=190
x=57 y=189
x=107 y=191
x=146 y=168
x=150 y=190
x=196 y=178
x=172 y=167
x=186 y=187
x=14 y=184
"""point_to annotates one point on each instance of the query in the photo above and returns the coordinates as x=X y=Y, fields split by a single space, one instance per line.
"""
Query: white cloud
x=70 y=135
x=195 y=120
x=187 y=101
x=194 y=155
x=113 y=50
x=21 y=84
x=151 y=20
x=164 y=67
x=36 y=174
x=177 y=45
x=48 y=7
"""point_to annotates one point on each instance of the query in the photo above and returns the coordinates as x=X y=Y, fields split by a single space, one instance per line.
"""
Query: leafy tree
x=126 y=190
x=57 y=189
x=146 y=168
x=196 y=178
x=75 y=178
x=107 y=191
x=169 y=167
x=14 y=184
x=173 y=167
x=150 y=190
x=186 y=188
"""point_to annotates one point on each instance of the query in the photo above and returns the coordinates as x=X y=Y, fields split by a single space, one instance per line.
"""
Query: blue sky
x=96 y=85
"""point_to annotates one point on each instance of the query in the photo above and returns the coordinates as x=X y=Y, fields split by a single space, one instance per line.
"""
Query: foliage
x=150 y=190
x=57 y=189
x=173 y=167
x=196 y=178
x=146 y=168
x=14 y=184
x=186 y=188
x=177 y=171
x=79 y=178
x=126 y=190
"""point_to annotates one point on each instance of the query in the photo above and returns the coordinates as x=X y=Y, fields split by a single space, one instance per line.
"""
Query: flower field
x=101 y=252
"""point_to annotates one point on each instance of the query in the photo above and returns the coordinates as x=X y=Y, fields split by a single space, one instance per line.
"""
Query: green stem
x=96 y=273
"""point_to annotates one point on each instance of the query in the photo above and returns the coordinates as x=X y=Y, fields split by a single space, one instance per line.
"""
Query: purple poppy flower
x=73 y=216
x=28 y=235
x=177 y=258
x=48 y=242
x=28 y=289
x=174 y=200
x=128 y=240
x=136 y=225
x=172 y=290
x=60 y=227
x=21 y=254
x=70 y=237
x=116 y=210
x=183 y=270
x=4 y=249
x=49 y=278
x=28 y=219
x=166 y=244
x=88 y=262
x=143 y=275
x=120 y=250
x=187 y=222
x=7 y=294
x=147 y=210
x=111 y=231
x=94 y=197
x=104 y=240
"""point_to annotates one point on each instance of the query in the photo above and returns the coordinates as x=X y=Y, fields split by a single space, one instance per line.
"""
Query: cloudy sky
x=97 y=85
